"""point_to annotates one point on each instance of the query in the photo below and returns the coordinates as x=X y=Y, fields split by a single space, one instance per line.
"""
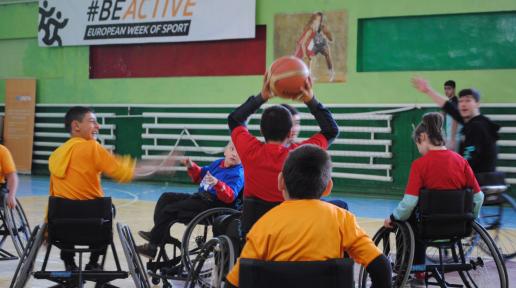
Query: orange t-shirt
x=6 y=163
x=306 y=230
x=77 y=165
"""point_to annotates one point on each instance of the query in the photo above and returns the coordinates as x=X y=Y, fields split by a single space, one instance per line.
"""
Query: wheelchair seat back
x=329 y=273
x=80 y=222
x=445 y=214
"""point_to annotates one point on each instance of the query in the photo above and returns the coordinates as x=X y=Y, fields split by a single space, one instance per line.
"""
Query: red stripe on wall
x=213 y=58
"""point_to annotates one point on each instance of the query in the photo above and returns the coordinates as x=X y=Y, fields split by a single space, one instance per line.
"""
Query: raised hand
x=421 y=84
x=266 y=88
x=187 y=162
x=307 y=93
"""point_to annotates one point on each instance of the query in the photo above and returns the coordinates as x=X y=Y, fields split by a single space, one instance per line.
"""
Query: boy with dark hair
x=263 y=161
x=219 y=186
x=480 y=134
x=452 y=127
x=292 y=138
x=296 y=123
x=303 y=228
x=76 y=166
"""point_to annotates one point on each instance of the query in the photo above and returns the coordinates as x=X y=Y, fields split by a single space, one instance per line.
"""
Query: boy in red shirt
x=263 y=161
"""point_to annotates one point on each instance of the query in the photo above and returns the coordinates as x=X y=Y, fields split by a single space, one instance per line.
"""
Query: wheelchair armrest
x=494 y=189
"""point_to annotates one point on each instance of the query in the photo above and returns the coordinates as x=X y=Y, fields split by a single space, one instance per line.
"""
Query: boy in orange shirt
x=304 y=228
x=8 y=176
x=76 y=167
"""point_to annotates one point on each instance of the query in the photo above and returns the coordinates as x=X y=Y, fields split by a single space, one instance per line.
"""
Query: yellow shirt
x=76 y=166
x=6 y=163
x=306 y=230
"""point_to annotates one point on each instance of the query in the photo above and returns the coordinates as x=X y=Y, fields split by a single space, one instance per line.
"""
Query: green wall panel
x=438 y=42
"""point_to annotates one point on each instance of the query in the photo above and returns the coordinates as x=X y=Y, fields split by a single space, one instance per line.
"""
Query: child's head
x=296 y=123
x=306 y=173
x=276 y=123
x=449 y=88
x=230 y=155
x=428 y=133
x=81 y=122
x=469 y=103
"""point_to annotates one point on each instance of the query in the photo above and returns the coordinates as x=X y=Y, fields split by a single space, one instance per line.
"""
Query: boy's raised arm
x=422 y=86
x=239 y=116
x=328 y=125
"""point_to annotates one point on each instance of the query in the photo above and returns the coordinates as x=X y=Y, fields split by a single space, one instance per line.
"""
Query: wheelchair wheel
x=136 y=268
x=17 y=224
x=198 y=231
x=494 y=218
x=213 y=262
x=26 y=264
x=484 y=264
x=397 y=244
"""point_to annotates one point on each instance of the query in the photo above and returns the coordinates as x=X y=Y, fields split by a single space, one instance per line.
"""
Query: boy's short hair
x=276 y=123
x=470 y=92
x=75 y=113
x=450 y=83
x=293 y=111
x=307 y=172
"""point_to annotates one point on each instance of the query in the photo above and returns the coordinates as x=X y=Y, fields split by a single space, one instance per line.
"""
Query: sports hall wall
x=63 y=74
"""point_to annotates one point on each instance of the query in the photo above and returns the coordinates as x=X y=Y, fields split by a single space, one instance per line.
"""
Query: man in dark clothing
x=479 y=133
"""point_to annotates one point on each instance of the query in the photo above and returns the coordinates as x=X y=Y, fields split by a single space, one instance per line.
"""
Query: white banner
x=97 y=22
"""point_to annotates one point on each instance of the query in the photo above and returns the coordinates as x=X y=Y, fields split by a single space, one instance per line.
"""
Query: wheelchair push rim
x=17 y=225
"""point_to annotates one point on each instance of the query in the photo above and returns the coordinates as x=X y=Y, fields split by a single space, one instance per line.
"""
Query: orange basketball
x=287 y=74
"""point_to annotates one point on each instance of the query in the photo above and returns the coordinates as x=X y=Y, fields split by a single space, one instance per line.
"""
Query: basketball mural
x=318 y=38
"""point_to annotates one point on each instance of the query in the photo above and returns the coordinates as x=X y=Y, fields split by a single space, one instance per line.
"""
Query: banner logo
x=50 y=25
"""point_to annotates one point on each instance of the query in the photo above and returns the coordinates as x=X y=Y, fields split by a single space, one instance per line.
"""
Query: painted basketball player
x=315 y=40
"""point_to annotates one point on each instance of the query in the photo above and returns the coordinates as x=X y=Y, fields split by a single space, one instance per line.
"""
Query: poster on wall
x=319 y=38
x=98 y=22
x=20 y=105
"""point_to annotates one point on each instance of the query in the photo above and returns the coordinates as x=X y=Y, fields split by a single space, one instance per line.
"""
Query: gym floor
x=135 y=205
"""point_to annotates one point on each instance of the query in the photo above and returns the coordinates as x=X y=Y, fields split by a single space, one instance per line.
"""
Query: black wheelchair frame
x=13 y=224
x=466 y=252
x=71 y=226
x=198 y=232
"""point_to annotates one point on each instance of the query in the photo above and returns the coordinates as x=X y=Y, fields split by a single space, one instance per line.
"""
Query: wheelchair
x=443 y=221
x=13 y=224
x=493 y=216
x=175 y=259
x=82 y=226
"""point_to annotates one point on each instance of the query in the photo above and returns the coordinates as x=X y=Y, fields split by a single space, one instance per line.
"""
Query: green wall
x=62 y=73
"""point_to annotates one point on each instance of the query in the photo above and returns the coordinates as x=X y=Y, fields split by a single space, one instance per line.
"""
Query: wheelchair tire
x=18 y=225
x=198 y=232
x=494 y=224
x=489 y=266
x=402 y=238
x=213 y=262
x=26 y=264
x=134 y=262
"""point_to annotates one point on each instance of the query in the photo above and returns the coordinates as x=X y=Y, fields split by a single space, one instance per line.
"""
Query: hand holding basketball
x=306 y=91
x=286 y=76
x=266 y=88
